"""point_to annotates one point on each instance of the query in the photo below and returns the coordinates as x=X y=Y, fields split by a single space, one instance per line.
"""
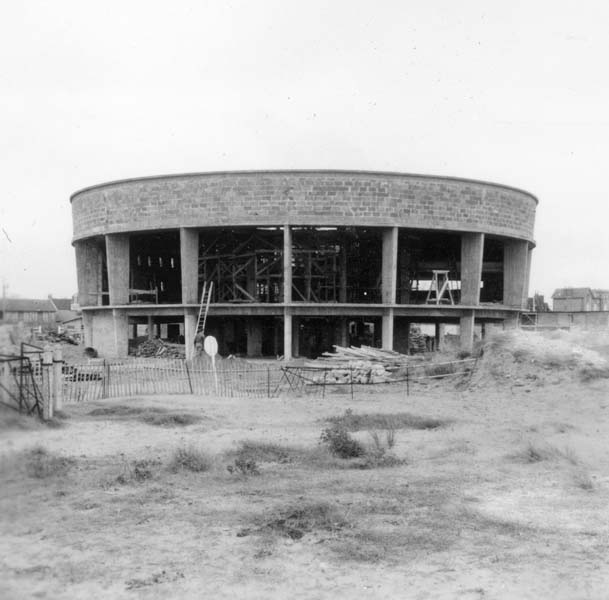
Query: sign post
x=210 y=345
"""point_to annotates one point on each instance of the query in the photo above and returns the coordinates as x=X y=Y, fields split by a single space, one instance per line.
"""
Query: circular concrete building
x=299 y=260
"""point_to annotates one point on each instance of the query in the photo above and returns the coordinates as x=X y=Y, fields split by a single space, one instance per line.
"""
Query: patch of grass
x=362 y=422
x=138 y=471
x=243 y=465
x=296 y=520
x=41 y=463
x=583 y=481
x=151 y=415
x=266 y=451
x=11 y=419
x=190 y=458
x=534 y=453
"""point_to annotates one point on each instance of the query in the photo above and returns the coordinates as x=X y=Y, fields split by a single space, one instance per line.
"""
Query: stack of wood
x=365 y=365
x=159 y=348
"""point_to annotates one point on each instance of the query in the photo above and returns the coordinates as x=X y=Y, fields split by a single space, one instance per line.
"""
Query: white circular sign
x=210 y=345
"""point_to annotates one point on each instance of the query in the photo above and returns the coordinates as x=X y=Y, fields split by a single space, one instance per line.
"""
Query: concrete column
x=527 y=278
x=288 y=341
x=515 y=258
x=401 y=335
x=88 y=261
x=254 y=337
x=189 y=265
x=117 y=255
x=190 y=324
x=440 y=330
x=387 y=330
x=295 y=337
x=466 y=334
x=287 y=264
x=390 y=266
x=87 y=325
x=342 y=332
x=121 y=332
x=287 y=335
x=150 y=331
x=472 y=248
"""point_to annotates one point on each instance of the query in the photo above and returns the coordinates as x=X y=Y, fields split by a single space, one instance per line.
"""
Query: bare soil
x=508 y=498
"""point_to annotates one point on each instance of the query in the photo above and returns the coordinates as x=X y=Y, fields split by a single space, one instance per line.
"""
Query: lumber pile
x=365 y=365
x=158 y=348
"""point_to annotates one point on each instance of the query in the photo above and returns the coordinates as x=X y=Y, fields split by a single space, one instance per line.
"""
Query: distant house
x=32 y=313
x=580 y=300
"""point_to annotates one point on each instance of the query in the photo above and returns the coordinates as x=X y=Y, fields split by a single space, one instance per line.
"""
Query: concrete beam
x=117 y=257
x=515 y=258
x=472 y=248
x=189 y=265
x=390 y=265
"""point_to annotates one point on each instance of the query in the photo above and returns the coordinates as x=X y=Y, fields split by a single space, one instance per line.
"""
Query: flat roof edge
x=304 y=172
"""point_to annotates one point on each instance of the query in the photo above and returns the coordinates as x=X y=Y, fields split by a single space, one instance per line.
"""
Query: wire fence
x=101 y=379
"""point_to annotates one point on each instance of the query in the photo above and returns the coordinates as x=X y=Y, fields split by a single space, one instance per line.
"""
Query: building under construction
x=299 y=260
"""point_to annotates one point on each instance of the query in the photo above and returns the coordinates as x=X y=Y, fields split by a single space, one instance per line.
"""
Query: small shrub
x=244 y=465
x=40 y=463
x=137 y=470
x=340 y=443
x=190 y=458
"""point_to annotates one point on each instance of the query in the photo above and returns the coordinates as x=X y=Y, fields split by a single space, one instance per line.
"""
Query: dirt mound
x=528 y=359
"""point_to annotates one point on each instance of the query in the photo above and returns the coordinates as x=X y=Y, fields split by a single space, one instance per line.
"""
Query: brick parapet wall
x=303 y=198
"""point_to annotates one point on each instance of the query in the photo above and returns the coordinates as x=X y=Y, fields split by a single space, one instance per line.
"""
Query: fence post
x=106 y=382
x=57 y=379
x=351 y=380
x=407 y=380
x=47 y=385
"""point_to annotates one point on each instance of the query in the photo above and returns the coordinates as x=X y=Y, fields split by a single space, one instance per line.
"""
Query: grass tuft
x=534 y=453
x=42 y=464
x=190 y=458
x=391 y=421
x=151 y=415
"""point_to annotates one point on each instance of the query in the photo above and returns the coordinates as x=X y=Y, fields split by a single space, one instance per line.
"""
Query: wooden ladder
x=204 y=308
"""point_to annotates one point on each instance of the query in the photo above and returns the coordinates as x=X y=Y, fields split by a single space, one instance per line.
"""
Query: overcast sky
x=511 y=92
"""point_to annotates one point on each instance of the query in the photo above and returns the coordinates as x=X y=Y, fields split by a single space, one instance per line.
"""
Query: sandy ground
x=466 y=516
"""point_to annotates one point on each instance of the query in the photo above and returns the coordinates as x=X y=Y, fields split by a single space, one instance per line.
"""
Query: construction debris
x=159 y=348
x=360 y=365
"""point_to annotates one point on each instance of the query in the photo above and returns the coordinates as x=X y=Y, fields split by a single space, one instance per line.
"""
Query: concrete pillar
x=515 y=258
x=288 y=342
x=88 y=265
x=401 y=335
x=472 y=248
x=189 y=265
x=287 y=264
x=440 y=330
x=150 y=326
x=342 y=272
x=254 y=337
x=527 y=278
x=87 y=325
x=287 y=336
x=466 y=335
x=295 y=337
x=117 y=256
x=387 y=329
x=190 y=324
x=121 y=332
x=342 y=332
x=390 y=266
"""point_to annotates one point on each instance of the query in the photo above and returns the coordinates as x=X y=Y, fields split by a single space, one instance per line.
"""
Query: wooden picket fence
x=100 y=379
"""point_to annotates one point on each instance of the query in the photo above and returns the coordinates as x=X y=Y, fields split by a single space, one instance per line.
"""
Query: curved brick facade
x=303 y=198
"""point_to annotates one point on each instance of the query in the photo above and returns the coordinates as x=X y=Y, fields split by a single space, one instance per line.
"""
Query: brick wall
x=302 y=198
